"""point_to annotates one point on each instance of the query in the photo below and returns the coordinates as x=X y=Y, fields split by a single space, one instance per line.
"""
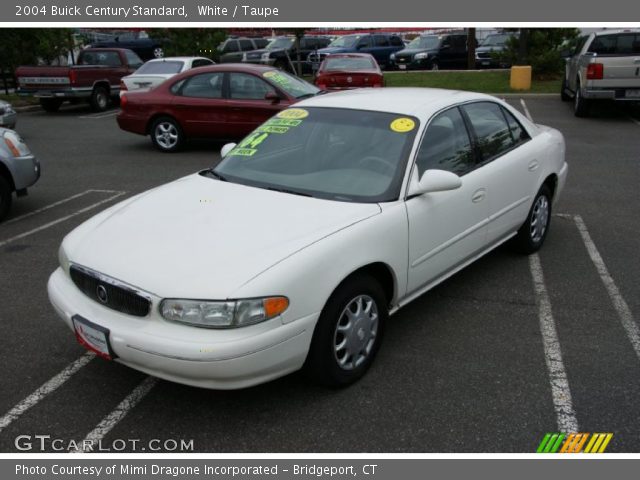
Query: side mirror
x=433 y=181
x=273 y=97
x=226 y=149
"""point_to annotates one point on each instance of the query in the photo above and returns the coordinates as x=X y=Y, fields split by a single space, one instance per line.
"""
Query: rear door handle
x=478 y=195
x=533 y=165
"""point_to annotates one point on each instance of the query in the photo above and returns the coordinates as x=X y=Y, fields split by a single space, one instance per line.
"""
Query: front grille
x=107 y=293
x=484 y=54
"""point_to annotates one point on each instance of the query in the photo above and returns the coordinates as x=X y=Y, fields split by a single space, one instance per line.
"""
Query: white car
x=297 y=247
x=154 y=72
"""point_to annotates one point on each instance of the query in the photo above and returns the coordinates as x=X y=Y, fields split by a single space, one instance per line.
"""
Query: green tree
x=190 y=41
x=540 y=48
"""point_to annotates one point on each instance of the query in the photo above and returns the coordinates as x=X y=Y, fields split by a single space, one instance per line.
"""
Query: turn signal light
x=275 y=306
x=14 y=151
x=595 y=71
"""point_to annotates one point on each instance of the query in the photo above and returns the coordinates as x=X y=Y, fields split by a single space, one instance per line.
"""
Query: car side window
x=491 y=128
x=603 y=45
x=111 y=59
x=243 y=86
x=364 y=42
x=246 y=45
x=204 y=85
x=381 y=41
x=231 y=46
x=518 y=133
x=201 y=62
x=396 y=42
x=133 y=59
x=446 y=145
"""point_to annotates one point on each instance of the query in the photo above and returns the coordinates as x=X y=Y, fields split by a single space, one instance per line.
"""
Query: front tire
x=166 y=135
x=434 y=66
x=533 y=231
x=348 y=333
x=5 y=198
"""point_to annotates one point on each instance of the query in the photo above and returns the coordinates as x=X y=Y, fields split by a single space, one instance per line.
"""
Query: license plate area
x=632 y=94
x=402 y=67
x=93 y=337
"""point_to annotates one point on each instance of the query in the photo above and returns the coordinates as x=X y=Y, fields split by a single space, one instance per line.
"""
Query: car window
x=111 y=59
x=133 y=59
x=604 y=45
x=243 y=86
x=491 y=129
x=164 y=67
x=261 y=42
x=364 y=42
x=460 y=41
x=231 y=46
x=201 y=62
x=323 y=42
x=396 y=42
x=446 y=145
x=204 y=85
x=380 y=41
x=337 y=63
x=580 y=44
x=518 y=133
x=246 y=45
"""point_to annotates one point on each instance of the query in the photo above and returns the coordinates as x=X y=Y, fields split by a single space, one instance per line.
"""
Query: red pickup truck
x=95 y=78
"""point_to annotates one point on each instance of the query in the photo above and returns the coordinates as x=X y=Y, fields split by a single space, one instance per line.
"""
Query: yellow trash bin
x=521 y=77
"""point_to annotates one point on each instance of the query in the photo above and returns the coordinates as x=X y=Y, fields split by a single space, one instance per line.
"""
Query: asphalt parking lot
x=472 y=366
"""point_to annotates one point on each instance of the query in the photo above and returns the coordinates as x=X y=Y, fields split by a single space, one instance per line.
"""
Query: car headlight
x=14 y=144
x=392 y=56
x=265 y=56
x=63 y=259
x=223 y=314
x=421 y=56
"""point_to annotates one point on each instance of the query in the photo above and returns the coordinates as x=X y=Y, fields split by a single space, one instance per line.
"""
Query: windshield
x=495 y=40
x=427 y=42
x=164 y=67
x=332 y=153
x=291 y=85
x=281 y=43
x=333 y=63
x=346 y=41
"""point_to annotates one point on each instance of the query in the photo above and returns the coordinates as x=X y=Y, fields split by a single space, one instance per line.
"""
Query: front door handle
x=533 y=165
x=478 y=195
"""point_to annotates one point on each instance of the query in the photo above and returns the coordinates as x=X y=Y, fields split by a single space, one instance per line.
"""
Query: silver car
x=19 y=169
x=8 y=116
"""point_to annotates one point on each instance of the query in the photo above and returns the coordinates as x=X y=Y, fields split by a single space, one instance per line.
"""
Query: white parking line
x=60 y=220
x=121 y=411
x=55 y=204
x=526 y=110
x=560 y=391
x=45 y=389
x=619 y=303
x=111 y=113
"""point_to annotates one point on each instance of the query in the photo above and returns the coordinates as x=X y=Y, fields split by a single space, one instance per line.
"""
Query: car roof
x=349 y=55
x=414 y=101
x=613 y=32
x=229 y=67
x=175 y=59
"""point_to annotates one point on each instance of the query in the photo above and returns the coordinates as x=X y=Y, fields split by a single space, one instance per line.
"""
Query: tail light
x=123 y=101
x=73 y=76
x=321 y=86
x=595 y=71
x=123 y=86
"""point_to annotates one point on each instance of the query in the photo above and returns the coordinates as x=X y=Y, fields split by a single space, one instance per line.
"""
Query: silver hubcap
x=166 y=135
x=539 y=218
x=158 y=53
x=356 y=332
x=102 y=100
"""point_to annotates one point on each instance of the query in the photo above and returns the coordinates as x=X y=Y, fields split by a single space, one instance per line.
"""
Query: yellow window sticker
x=294 y=113
x=402 y=125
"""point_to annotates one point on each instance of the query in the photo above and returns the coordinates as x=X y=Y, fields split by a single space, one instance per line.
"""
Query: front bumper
x=420 y=64
x=208 y=358
x=25 y=171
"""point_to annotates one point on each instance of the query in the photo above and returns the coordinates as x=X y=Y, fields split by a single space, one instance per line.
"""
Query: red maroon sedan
x=349 y=70
x=222 y=101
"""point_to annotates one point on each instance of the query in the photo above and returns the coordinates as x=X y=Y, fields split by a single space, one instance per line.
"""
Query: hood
x=406 y=52
x=199 y=237
x=494 y=48
x=328 y=50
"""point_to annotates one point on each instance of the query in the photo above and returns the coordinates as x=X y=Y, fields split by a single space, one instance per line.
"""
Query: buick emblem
x=101 y=293
x=349 y=79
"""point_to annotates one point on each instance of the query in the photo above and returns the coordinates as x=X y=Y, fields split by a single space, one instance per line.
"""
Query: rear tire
x=563 y=91
x=99 y=99
x=166 y=135
x=50 y=104
x=5 y=198
x=581 y=106
x=533 y=231
x=348 y=333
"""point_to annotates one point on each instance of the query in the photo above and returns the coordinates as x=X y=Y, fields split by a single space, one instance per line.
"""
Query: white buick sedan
x=294 y=251
x=154 y=72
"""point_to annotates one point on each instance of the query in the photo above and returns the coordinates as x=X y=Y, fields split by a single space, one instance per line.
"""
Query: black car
x=232 y=49
x=147 y=48
x=433 y=52
x=281 y=52
x=488 y=52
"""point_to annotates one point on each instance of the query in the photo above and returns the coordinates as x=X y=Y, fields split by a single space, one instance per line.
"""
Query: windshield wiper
x=215 y=174
x=286 y=190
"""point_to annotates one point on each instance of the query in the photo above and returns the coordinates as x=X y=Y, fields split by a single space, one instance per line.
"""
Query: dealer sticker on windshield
x=402 y=125
x=293 y=114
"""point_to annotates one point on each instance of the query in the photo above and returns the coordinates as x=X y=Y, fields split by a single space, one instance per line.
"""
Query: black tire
x=526 y=241
x=5 y=197
x=50 y=104
x=322 y=363
x=99 y=99
x=166 y=134
x=581 y=106
x=564 y=96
